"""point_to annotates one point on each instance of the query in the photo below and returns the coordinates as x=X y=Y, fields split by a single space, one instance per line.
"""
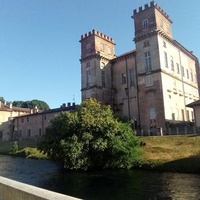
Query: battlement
x=151 y=5
x=95 y=32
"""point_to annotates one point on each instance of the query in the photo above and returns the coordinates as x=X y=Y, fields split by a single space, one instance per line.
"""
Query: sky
x=40 y=48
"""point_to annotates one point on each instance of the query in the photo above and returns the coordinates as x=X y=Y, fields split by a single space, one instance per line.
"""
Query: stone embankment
x=14 y=190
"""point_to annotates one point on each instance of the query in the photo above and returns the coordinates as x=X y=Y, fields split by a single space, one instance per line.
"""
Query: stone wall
x=13 y=190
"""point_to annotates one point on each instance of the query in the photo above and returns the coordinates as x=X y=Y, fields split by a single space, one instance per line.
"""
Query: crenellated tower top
x=152 y=4
x=97 y=33
x=95 y=42
x=151 y=19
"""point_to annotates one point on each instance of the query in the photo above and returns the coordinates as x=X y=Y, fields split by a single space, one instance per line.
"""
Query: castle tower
x=150 y=20
x=162 y=64
x=97 y=49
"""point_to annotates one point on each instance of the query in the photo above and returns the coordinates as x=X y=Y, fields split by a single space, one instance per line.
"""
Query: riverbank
x=25 y=148
x=160 y=153
x=171 y=153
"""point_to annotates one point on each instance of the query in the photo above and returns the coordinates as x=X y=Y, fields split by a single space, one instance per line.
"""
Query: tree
x=2 y=99
x=90 y=137
x=41 y=105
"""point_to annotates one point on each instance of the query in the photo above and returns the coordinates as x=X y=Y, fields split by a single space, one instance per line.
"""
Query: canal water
x=106 y=184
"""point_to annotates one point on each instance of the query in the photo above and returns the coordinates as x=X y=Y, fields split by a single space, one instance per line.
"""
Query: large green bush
x=90 y=137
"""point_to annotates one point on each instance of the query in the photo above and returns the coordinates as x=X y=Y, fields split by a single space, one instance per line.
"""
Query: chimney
x=64 y=105
x=10 y=105
x=35 y=109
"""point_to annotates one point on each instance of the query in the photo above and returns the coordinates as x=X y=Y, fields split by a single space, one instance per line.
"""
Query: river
x=106 y=184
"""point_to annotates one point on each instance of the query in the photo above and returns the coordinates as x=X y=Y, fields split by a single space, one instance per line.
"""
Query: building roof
x=193 y=104
x=10 y=108
x=55 y=110
x=125 y=55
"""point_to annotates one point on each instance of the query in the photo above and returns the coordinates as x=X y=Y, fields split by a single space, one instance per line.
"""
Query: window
x=146 y=43
x=192 y=115
x=187 y=74
x=40 y=131
x=172 y=63
x=145 y=23
x=88 y=78
x=149 y=80
x=102 y=47
x=29 y=132
x=22 y=120
x=191 y=74
x=88 y=64
x=173 y=116
x=164 y=44
x=174 y=84
x=88 y=48
x=183 y=115
x=152 y=113
x=132 y=77
x=27 y=119
x=109 y=50
x=195 y=78
x=123 y=78
x=103 y=79
x=1 y=135
x=188 y=115
x=147 y=61
x=178 y=69
x=166 y=60
x=182 y=71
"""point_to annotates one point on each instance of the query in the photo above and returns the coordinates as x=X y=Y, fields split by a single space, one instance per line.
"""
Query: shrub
x=90 y=137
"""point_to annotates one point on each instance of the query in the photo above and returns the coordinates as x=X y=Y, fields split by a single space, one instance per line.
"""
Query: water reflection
x=107 y=184
x=182 y=186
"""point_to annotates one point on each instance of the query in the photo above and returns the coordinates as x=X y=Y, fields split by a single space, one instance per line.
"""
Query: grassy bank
x=164 y=153
x=6 y=146
x=172 y=153
x=26 y=148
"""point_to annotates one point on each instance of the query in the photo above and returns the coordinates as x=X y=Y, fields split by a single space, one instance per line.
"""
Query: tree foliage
x=90 y=137
x=41 y=105
x=2 y=99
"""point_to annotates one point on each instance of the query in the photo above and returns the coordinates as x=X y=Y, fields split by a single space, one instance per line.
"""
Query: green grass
x=165 y=153
x=171 y=153
x=30 y=152
x=26 y=148
x=6 y=146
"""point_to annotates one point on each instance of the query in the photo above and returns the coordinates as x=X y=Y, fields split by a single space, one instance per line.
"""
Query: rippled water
x=107 y=184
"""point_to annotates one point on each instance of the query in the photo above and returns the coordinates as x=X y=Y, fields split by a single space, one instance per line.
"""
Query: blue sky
x=40 y=49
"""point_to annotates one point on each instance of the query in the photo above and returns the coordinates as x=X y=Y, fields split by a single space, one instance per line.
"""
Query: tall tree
x=90 y=137
x=41 y=105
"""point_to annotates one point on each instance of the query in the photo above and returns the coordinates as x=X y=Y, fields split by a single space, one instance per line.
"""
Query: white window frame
x=147 y=55
x=178 y=68
x=172 y=63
